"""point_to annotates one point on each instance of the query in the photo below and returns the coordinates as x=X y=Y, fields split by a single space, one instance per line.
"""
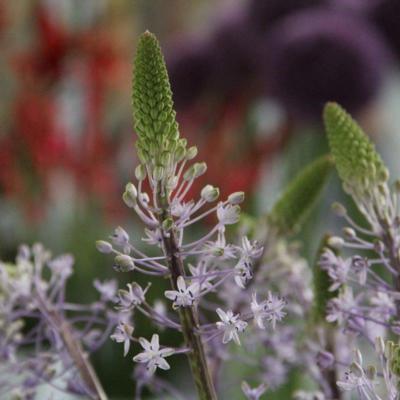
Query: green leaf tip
x=359 y=165
x=321 y=284
x=153 y=110
x=294 y=205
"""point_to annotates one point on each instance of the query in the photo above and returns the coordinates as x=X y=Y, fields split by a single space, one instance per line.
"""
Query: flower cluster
x=44 y=337
x=197 y=268
x=363 y=290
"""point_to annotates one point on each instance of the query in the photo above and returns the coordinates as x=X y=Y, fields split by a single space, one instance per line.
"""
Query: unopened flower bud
x=356 y=369
x=349 y=233
x=339 y=209
x=335 y=242
x=325 y=359
x=124 y=263
x=371 y=372
x=210 y=193
x=236 y=198
x=140 y=172
x=195 y=171
x=191 y=153
x=130 y=195
x=379 y=247
x=167 y=224
x=104 y=247
x=158 y=173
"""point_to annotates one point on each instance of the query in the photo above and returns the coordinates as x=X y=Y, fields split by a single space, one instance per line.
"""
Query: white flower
x=339 y=307
x=231 y=325
x=356 y=378
x=123 y=334
x=200 y=273
x=121 y=239
x=303 y=395
x=62 y=265
x=154 y=237
x=350 y=382
x=182 y=210
x=107 y=289
x=243 y=272
x=337 y=268
x=270 y=310
x=228 y=214
x=128 y=299
x=184 y=296
x=152 y=355
x=255 y=393
x=250 y=250
x=219 y=248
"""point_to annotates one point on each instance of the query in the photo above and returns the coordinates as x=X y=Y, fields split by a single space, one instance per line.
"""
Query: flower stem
x=188 y=315
x=78 y=356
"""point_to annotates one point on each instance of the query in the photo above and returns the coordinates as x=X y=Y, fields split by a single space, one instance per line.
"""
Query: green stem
x=188 y=315
x=79 y=357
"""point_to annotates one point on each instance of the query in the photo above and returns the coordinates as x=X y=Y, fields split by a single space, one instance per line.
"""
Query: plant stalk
x=79 y=357
x=188 y=315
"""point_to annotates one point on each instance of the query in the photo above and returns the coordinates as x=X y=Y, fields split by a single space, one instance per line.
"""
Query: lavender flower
x=318 y=55
x=231 y=325
x=34 y=289
x=196 y=267
x=153 y=356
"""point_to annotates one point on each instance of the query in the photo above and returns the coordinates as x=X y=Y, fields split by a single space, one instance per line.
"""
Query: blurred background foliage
x=250 y=79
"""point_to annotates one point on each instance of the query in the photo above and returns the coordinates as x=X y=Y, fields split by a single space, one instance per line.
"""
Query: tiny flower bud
x=356 y=369
x=325 y=359
x=236 y=198
x=379 y=247
x=195 y=171
x=371 y=372
x=167 y=224
x=349 y=233
x=124 y=263
x=130 y=195
x=140 y=172
x=158 y=173
x=335 y=242
x=389 y=348
x=339 y=209
x=210 y=193
x=104 y=247
x=191 y=153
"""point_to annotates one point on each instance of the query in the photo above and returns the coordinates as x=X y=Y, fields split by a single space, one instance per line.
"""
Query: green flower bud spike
x=153 y=113
x=359 y=165
x=300 y=196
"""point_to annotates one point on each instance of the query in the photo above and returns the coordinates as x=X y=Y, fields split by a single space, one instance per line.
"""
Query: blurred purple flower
x=189 y=69
x=385 y=15
x=235 y=53
x=264 y=13
x=324 y=55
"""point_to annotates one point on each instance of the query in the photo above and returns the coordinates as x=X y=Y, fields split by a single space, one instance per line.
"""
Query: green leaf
x=153 y=111
x=359 y=165
x=299 y=197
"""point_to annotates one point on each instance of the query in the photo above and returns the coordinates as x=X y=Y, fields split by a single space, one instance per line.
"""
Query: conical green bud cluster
x=158 y=145
x=321 y=283
x=359 y=165
x=300 y=196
